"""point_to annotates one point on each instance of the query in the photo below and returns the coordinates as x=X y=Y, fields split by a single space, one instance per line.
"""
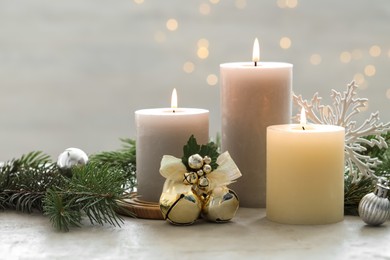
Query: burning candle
x=249 y=92
x=305 y=173
x=162 y=131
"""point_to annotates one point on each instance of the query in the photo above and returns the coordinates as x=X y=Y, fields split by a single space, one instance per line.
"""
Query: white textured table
x=250 y=235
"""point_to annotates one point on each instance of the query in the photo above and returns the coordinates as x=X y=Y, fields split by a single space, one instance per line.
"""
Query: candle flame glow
x=303 y=118
x=256 y=51
x=174 y=99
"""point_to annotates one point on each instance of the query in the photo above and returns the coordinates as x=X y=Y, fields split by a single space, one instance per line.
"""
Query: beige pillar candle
x=305 y=174
x=164 y=131
x=252 y=98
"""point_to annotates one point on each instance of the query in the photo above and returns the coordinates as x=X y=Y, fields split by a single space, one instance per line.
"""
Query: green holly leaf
x=211 y=150
x=192 y=147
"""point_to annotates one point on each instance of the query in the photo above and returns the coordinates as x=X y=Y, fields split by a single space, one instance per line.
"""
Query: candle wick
x=255 y=63
x=303 y=127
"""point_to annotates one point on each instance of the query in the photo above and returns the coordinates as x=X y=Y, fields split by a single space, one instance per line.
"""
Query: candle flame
x=303 y=118
x=256 y=51
x=174 y=99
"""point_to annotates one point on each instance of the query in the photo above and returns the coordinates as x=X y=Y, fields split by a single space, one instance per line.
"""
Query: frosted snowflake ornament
x=345 y=106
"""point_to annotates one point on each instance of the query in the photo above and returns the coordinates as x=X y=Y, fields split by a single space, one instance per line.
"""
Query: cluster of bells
x=184 y=207
x=374 y=208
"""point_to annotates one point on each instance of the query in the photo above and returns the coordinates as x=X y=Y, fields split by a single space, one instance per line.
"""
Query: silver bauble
x=221 y=205
x=71 y=157
x=207 y=159
x=195 y=161
x=374 y=208
x=207 y=168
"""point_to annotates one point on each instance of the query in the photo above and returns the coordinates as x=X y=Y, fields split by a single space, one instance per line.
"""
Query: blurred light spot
x=357 y=54
x=375 y=51
x=240 y=4
x=139 y=1
x=212 y=79
x=203 y=53
x=388 y=53
x=282 y=3
x=188 y=67
x=291 y=3
x=214 y=1
x=172 y=24
x=345 y=57
x=287 y=3
x=369 y=70
x=203 y=43
x=285 y=43
x=160 y=37
x=315 y=59
x=359 y=79
x=204 y=9
x=388 y=93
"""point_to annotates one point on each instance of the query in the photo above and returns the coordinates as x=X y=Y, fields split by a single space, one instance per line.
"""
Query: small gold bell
x=221 y=205
x=179 y=204
x=190 y=178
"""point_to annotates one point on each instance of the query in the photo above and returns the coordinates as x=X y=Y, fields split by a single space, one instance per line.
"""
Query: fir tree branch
x=24 y=181
x=123 y=159
x=93 y=190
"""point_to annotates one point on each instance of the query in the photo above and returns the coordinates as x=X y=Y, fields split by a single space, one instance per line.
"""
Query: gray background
x=73 y=72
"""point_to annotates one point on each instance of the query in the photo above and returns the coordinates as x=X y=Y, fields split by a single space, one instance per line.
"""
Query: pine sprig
x=24 y=181
x=123 y=159
x=34 y=182
x=93 y=190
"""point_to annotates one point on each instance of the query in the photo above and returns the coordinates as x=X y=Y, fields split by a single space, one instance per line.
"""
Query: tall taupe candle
x=164 y=131
x=253 y=98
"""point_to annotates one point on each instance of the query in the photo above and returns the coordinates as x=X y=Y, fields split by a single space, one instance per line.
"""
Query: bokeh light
x=212 y=79
x=375 y=51
x=369 y=70
x=189 y=67
x=139 y=1
x=203 y=43
x=240 y=4
x=388 y=93
x=172 y=24
x=359 y=79
x=287 y=3
x=285 y=43
x=345 y=57
x=291 y=3
x=214 y=1
x=203 y=53
x=204 y=9
x=315 y=59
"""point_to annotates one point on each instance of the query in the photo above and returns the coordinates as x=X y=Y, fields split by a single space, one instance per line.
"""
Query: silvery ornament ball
x=195 y=161
x=374 y=208
x=71 y=157
x=207 y=168
x=221 y=205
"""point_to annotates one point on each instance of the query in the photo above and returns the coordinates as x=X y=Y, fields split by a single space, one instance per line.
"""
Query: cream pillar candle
x=305 y=174
x=163 y=131
x=252 y=98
